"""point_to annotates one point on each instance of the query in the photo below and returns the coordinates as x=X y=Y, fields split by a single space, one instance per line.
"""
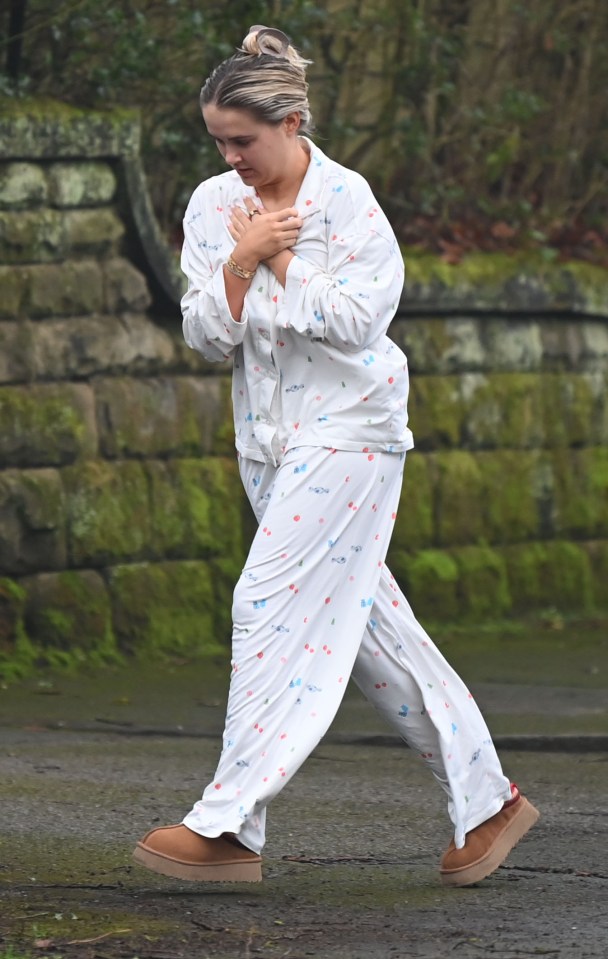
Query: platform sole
x=515 y=830
x=192 y=872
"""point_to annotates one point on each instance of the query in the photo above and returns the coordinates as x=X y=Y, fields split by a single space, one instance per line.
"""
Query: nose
x=233 y=156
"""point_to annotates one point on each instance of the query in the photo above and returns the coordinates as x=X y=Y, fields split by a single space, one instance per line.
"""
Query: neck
x=283 y=192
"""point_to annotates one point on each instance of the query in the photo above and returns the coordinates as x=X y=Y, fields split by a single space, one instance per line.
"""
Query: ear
x=292 y=122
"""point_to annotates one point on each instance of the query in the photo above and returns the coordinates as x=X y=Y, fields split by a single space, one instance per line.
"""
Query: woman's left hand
x=241 y=221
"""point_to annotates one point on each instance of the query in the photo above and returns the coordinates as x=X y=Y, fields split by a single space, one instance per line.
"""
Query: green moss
x=69 y=617
x=482 y=582
x=591 y=281
x=427 y=342
x=597 y=553
x=414 y=525
x=458 y=489
x=16 y=651
x=429 y=579
x=554 y=574
x=49 y=128
x=225 y=573
x=196 y=508
x=223 y=435
x=165 y=608
x=42 y=425
x=503 y=410
x=568 y=409
x=436 y=411
x=108 y=512
x=213 y=491
x=45 y=108
x=522 y=279
x=581 y=492
x=474 y=269
x=510 y=501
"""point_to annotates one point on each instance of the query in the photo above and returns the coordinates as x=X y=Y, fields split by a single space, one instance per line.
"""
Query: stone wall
x=122 y=522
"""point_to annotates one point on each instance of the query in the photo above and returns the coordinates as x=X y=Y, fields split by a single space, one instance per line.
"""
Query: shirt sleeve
x=353 y=300
x=208 y=324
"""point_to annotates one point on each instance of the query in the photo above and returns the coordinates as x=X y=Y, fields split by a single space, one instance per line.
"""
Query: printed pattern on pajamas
x=315 y=602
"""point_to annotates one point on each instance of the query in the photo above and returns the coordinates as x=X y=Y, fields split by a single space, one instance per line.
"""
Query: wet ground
x=88 y=764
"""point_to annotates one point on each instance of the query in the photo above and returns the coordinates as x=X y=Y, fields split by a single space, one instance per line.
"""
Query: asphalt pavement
x=88 y=763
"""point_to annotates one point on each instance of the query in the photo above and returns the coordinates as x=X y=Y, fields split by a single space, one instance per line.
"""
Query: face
x=259 y=152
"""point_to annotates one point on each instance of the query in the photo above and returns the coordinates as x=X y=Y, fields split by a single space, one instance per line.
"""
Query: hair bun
x=266 y=40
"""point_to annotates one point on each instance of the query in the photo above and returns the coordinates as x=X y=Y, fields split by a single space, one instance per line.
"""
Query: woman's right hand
x=263 y=235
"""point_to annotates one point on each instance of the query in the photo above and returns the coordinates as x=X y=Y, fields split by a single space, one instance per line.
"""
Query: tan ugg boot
x=179 y=852
x=489 y=844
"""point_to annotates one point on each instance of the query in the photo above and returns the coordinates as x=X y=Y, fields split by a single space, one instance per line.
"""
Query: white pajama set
x=320 y=407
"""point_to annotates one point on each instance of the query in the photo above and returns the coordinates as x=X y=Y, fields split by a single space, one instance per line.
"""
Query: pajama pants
x=315 y=604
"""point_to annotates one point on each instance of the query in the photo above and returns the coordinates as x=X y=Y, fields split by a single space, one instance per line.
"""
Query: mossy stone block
x=440 y=345
x=47 y=128
x=160 y=416
x=597 y=382
x=429 y=579
x=67 y=289
x=597 y=552
x=17 y=653
x=222 y=441
x=170 y=516
x=14 y=284
x=92 y=231
x=81 y=346
x=32 y=236
x=108 y=512
x=551 y=574
x=22 y=185
x=570 y=408
x=225 y=571
x=46 y=424
x=486 y=281
x=69 y=617
x=502 y=410
x=196 y=508
x=595 y=343
x=12 y=606
x=16 y=348
x=512 y=500
x=125 y=287
x=32 y=521
x=511 y=344
x=562 y=344
x=483 y=587
x=165 y=609
x=435 y=411
x=81 y=183
x=458 y=490
x=414 y=524
x=581 y=492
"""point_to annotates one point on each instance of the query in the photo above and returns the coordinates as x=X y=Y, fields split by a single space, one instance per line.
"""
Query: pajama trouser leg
x=299 y=616
x=403 y=674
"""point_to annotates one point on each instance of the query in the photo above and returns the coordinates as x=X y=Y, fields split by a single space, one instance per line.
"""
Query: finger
x=252 y=209
x=239 y=216
x=288 y=213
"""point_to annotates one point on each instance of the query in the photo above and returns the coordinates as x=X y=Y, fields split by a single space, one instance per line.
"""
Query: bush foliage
x=478 y=122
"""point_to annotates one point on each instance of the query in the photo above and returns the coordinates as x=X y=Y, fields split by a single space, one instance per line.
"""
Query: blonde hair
x=266 y=76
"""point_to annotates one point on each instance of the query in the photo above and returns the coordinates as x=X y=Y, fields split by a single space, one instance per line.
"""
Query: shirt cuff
x=236 y=328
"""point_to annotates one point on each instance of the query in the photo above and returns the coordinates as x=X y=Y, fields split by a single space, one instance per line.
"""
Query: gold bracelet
x=239 y=270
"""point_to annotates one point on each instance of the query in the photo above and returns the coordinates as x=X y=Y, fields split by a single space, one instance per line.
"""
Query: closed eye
x=237 y=142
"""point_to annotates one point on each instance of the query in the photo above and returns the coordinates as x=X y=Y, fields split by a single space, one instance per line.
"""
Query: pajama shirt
x=320 y=407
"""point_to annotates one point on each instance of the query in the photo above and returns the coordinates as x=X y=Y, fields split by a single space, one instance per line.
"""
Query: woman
x=294 y=273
